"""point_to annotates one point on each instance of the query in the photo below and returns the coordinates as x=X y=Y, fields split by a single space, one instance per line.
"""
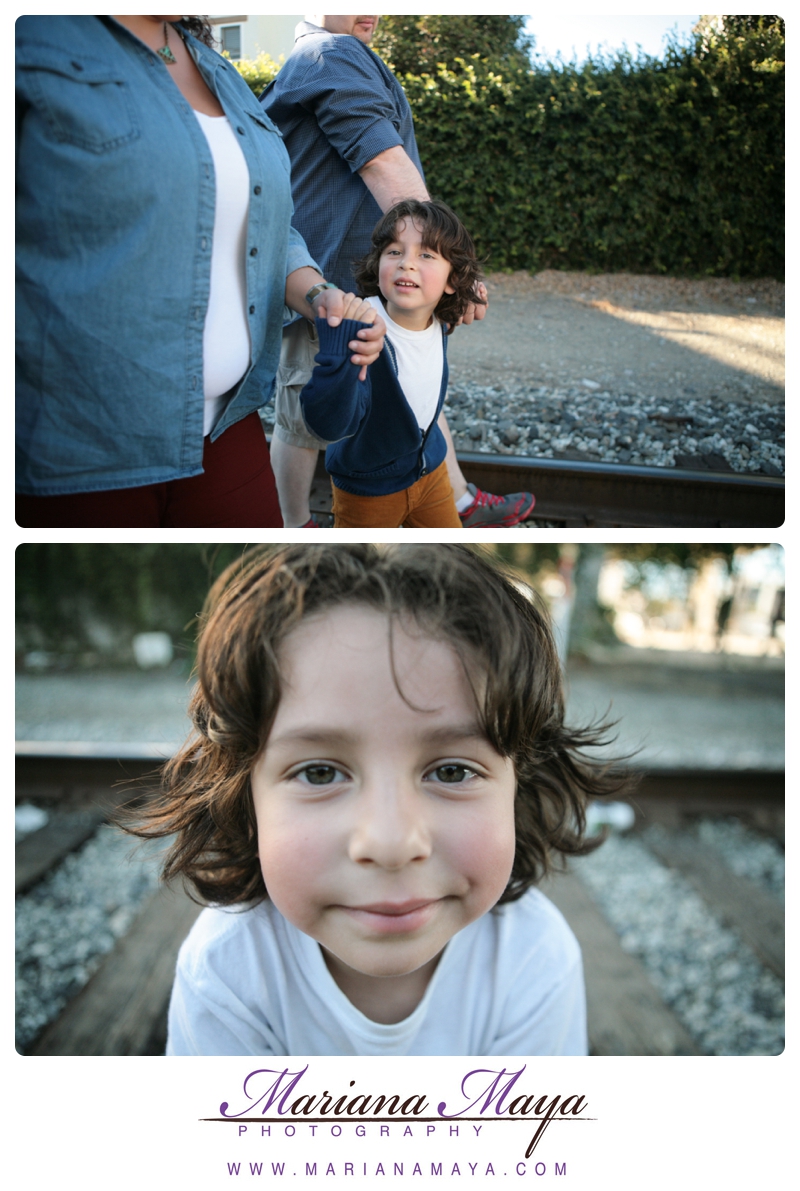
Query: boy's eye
x=320 y=775
x=452 y=772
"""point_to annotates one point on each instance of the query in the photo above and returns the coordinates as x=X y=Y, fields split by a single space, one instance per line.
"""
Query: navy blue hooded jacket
x=380 y=447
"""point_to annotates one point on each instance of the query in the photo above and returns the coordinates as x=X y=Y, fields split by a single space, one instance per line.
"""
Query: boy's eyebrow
x=465 y=731
x=469 y=730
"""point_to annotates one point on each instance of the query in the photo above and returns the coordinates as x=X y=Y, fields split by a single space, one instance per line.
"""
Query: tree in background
x=584 y=621
x=415 y=45
x=741 y=26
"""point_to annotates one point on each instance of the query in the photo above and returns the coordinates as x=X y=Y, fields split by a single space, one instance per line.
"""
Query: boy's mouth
x=403 y=283
x=394 y=917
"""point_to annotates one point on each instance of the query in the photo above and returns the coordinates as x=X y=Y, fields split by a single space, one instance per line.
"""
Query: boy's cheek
x=286 y=863
x=486 y=856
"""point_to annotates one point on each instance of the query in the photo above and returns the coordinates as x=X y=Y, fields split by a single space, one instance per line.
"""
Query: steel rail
x=606 y=494
x=581 y=494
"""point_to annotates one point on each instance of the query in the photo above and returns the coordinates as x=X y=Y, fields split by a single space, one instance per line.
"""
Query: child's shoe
x=487 y=509
x=312 y=523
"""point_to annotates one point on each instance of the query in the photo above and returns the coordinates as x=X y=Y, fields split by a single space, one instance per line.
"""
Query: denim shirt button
x=254 y=252
x=256 y=190
x=252 y=309
x=240 y=130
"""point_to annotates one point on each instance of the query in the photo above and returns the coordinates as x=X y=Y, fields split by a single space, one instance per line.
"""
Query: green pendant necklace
x=165 y=52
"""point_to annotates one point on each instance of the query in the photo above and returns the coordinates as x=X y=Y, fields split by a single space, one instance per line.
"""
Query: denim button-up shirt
x=338 y=107
x=115 y=219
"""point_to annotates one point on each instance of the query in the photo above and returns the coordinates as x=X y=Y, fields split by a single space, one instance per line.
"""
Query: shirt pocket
x=82 y=100
x=274 y=140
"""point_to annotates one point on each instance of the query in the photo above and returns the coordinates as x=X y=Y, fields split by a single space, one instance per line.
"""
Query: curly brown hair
x=199 y=27
x=443 y=232
x=454 y=592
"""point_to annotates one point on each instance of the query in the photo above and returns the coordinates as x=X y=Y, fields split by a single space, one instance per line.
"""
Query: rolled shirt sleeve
x=298 y=256
x=358 y=119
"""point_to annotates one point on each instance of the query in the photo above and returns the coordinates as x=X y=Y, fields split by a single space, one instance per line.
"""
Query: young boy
x=380 y=773
x=386 y=457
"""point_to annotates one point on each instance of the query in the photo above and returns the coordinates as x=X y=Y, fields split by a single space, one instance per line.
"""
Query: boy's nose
x=390 y=830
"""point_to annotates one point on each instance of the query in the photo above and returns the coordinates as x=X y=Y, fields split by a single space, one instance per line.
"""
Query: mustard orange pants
x=427 y=504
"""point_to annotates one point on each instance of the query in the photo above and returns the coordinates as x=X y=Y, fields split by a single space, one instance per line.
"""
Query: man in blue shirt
x=349 y=132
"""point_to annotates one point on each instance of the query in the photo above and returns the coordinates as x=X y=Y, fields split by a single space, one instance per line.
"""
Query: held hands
x=335 y=305
x=476 y=310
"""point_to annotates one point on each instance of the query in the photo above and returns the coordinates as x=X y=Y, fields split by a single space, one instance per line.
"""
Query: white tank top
x=226 y=335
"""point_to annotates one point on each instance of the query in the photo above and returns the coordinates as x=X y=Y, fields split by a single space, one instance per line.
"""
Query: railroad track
x=122 y=1008
x=576 y=494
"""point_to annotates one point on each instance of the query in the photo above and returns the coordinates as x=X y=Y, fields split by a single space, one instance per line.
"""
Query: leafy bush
x=258 y=72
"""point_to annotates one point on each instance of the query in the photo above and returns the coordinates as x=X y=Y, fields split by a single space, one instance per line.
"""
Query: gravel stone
x=72 y=918
x=601 y=427
x=746 y=852
x=727 y=1001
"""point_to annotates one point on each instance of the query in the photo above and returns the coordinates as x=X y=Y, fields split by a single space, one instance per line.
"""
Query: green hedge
x=622 y=163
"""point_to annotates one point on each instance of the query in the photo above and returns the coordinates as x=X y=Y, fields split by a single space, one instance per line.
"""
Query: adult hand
x=335 y=305
x=476 y=310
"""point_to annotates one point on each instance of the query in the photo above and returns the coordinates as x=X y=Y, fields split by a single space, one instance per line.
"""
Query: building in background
x=247 y=37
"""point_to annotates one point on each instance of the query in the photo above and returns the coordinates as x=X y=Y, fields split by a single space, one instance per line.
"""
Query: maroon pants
x=236 y=489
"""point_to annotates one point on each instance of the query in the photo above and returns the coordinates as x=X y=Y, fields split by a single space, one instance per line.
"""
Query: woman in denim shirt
x=155 y=258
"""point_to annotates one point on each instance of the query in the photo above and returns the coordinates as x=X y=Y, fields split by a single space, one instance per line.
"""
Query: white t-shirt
x=420 y=363
x=226 y=334
x=250 y=983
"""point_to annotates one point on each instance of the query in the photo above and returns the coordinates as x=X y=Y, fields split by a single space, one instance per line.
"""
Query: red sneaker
x=487 y=509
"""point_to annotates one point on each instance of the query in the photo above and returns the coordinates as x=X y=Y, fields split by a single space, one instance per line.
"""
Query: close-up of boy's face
x=385 y=820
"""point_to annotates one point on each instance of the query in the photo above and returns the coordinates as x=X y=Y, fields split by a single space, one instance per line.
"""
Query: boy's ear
x=449 y=289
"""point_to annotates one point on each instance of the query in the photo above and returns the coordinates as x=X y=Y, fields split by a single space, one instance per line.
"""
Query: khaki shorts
x=299 y=346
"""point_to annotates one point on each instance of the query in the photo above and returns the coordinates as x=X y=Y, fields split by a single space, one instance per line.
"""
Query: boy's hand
x=334 y=305
x=476 y=310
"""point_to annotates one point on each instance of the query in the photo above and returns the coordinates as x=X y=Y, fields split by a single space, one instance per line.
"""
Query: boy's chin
x=385 y=967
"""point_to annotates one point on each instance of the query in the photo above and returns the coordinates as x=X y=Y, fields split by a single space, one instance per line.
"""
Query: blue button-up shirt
x=338 y=106
x=115 y=219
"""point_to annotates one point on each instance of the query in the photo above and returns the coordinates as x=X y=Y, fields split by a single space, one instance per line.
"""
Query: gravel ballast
x=729 y=1003
x=582 y=423
x=72 y=919
x=746 y=853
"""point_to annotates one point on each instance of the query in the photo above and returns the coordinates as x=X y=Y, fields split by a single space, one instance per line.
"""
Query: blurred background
x=679 y=912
